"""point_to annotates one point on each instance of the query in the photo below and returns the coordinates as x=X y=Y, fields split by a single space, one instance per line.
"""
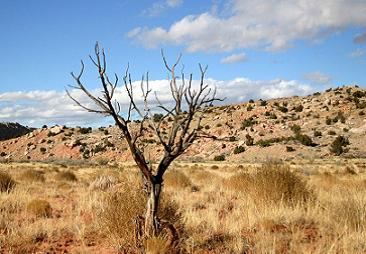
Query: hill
x=321 y=125
x=12 y=130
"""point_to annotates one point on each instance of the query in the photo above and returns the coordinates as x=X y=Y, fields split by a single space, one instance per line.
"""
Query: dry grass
x=39 y=208
x=6 y=182
x=31 y=175
x=250 y=209
x=66 y=176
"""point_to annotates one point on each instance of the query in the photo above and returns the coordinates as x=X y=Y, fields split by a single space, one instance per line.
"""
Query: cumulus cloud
x=357 y=53
x=158 y=7
x=265 y=24
x=35 y=108
x=234 y=58
x=318 y=77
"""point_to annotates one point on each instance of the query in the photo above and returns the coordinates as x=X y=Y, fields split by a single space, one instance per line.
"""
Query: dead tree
x=186 y=113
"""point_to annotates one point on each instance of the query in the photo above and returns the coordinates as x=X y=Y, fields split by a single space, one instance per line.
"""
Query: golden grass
x=251 y=209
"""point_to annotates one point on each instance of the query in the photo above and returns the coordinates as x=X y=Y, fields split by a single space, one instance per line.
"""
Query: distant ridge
x=12 y=130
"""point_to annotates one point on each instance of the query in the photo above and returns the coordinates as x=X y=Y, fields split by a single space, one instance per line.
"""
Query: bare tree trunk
x=151 y=219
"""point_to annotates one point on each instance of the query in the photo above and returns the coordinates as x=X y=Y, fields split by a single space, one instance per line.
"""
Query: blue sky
x=306 y=45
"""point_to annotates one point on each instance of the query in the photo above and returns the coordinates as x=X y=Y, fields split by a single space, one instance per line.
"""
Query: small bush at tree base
x=39 y=208
x=6 y=182
x=290 y=149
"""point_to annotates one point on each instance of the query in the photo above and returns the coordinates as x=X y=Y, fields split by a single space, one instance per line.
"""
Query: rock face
x=12 y=130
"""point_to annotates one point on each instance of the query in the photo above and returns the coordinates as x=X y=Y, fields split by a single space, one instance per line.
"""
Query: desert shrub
x=2 y=154
x=361 y=113
x=358 y=94
x=66 y=176
x=176 y=179
x=331 y=132
x=273 y=183
x=337 y=146
x=328 y=121
x=249 y=108
x=299 y=108
x=290 y=149
x=317 y=134
x=295 y=128
x=6 y=182
x=42 y=149
x=304 y=139
x=239 y=149
x=84 y=130
x=283 y=109
x=157 y=117
x=249 y=140
x=248 y=123
x=263 y=103
x=102 y=161
x=220 y=157
x=39 y=208
x=31 y=175
x=232 y=138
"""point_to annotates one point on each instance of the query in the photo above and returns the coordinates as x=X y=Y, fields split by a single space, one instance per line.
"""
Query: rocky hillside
x=321 y=125
x=12 y=130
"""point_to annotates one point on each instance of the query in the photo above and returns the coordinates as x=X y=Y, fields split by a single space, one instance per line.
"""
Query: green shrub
x=249 y=108
x=295 y=128
x=239 y=149
x=157 y=117
x=263 y=103
x=6 y=182
x=337 y=146
x=248 y=123
x=84 y=130
x=219 y=157
x=249 y=141
x=39 y=208
x=299 y=108
x=304 y=139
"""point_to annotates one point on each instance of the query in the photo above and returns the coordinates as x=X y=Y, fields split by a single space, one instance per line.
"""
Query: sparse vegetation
x=219 y=157
x=66 y=176
x=338 y=145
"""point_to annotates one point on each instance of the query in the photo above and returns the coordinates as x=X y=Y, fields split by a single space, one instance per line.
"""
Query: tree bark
x=151 y=219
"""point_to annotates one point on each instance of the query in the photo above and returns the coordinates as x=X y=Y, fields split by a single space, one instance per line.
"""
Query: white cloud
x=158 y=7
x=318 y=77
x=234 y=58
x=357 y=53
x=35 y=108
x=264 y=24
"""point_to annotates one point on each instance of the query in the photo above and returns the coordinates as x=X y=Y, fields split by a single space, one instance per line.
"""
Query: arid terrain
x=283 y=176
